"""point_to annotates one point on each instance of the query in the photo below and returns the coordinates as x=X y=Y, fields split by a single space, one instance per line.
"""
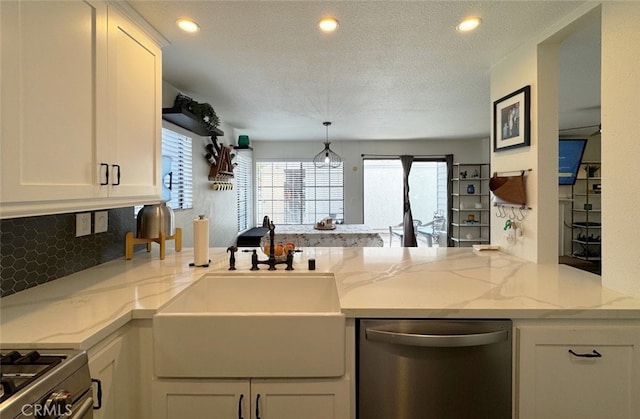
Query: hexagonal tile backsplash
x=35 y=250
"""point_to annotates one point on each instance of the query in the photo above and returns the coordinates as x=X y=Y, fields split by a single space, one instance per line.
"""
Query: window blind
x=179 y=148
x=244 y=188
x=296 y=192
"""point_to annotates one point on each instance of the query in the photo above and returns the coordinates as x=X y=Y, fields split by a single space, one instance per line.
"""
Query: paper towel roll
x=201 y=241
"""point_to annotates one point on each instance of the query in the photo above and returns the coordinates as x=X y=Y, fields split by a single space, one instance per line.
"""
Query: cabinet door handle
x=258 y=406
x=106 y=174
x=594 y=354
x=240 y=407
x=99 y=393
x=116 y=166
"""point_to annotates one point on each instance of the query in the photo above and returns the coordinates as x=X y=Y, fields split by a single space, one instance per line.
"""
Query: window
x=296 y=192
x=244 y=189
x=427 y=190
x=176 y=171
x=177 y=147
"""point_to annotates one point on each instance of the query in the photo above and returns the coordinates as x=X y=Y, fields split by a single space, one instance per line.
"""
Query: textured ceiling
x=393 y=70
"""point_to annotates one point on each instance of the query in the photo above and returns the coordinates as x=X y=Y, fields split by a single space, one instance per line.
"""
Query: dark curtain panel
x=409 y=234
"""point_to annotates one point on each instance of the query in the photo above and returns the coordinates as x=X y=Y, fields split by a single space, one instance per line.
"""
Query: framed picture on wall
x=511 y=119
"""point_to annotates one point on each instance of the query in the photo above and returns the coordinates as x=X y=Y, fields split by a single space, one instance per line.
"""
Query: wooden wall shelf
x=185 y=119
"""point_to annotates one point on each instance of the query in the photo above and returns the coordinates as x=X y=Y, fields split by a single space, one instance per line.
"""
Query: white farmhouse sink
x=252 y=325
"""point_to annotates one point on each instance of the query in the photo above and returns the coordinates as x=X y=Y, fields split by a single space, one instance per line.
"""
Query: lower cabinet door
x=250 y=398
x=104 y=365
x=296 y=399
x=191 y=398
x=567 y=372
x=114 y=363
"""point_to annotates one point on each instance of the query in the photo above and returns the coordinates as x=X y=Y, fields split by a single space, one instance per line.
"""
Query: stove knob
x=58 y=404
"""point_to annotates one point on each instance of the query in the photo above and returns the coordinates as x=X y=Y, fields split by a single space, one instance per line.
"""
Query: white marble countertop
x=337 y=229
x=79 y=310
x=342 y=235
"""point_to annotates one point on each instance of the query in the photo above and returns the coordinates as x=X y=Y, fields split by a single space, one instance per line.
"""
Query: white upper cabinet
x=80 y=103
x=135 y=110
x=53 y=62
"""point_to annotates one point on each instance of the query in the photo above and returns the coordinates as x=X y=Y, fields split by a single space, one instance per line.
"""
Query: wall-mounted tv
x=569 y=158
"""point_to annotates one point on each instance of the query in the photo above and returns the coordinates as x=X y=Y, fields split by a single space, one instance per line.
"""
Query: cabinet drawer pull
x=594 y=354
x=116 y=166
x=240 y=407
x=258 y=406
x=106 y=174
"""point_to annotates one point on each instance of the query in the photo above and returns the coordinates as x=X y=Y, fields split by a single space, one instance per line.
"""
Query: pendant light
x=327 y=157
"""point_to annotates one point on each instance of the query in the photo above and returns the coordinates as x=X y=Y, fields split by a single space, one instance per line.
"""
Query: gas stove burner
x=33 y=381
x=17 y=370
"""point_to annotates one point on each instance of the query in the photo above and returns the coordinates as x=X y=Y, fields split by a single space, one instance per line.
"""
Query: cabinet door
x=53 y=67
x=134 y=145
x=600 y=380
x=304 y=398
x=105 y=365
x=112 y=362
x=215 y=399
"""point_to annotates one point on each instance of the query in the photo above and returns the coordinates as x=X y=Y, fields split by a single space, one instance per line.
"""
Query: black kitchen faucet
x=271 y=261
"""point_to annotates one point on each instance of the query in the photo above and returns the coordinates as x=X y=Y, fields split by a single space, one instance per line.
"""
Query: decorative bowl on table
x=280 y=251
x=325 y=224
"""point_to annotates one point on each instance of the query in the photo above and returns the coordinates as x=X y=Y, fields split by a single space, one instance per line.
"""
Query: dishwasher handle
x=437 y=341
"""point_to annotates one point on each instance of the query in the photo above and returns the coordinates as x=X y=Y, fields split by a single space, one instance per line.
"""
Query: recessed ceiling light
x=187 y=25
x=468 y=24
x=328 y=24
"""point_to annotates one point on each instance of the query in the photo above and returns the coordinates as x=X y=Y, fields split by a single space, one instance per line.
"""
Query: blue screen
x=569 y=158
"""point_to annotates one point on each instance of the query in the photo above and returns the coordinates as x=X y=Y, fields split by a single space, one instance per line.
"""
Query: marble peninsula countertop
x=79 y=310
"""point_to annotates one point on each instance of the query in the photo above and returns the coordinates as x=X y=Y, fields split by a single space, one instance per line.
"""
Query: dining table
x=339 y=235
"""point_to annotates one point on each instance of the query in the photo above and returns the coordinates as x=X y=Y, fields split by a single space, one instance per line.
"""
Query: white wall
x=536 y=64
x=220 y=207
x=514 y=72
x=472 y=150
x=620 y=146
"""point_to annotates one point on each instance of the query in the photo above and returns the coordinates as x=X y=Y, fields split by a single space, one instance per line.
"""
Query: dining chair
x=432 y=231
x=398 y=230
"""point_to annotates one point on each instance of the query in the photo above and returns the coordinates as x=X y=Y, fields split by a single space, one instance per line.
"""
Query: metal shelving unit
x=586 y=213
x=470 y=218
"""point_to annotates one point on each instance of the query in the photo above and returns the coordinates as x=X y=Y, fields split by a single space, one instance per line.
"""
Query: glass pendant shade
x=327 y=157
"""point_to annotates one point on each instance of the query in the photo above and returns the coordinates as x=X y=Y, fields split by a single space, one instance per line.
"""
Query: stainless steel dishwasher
x=419 y=369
